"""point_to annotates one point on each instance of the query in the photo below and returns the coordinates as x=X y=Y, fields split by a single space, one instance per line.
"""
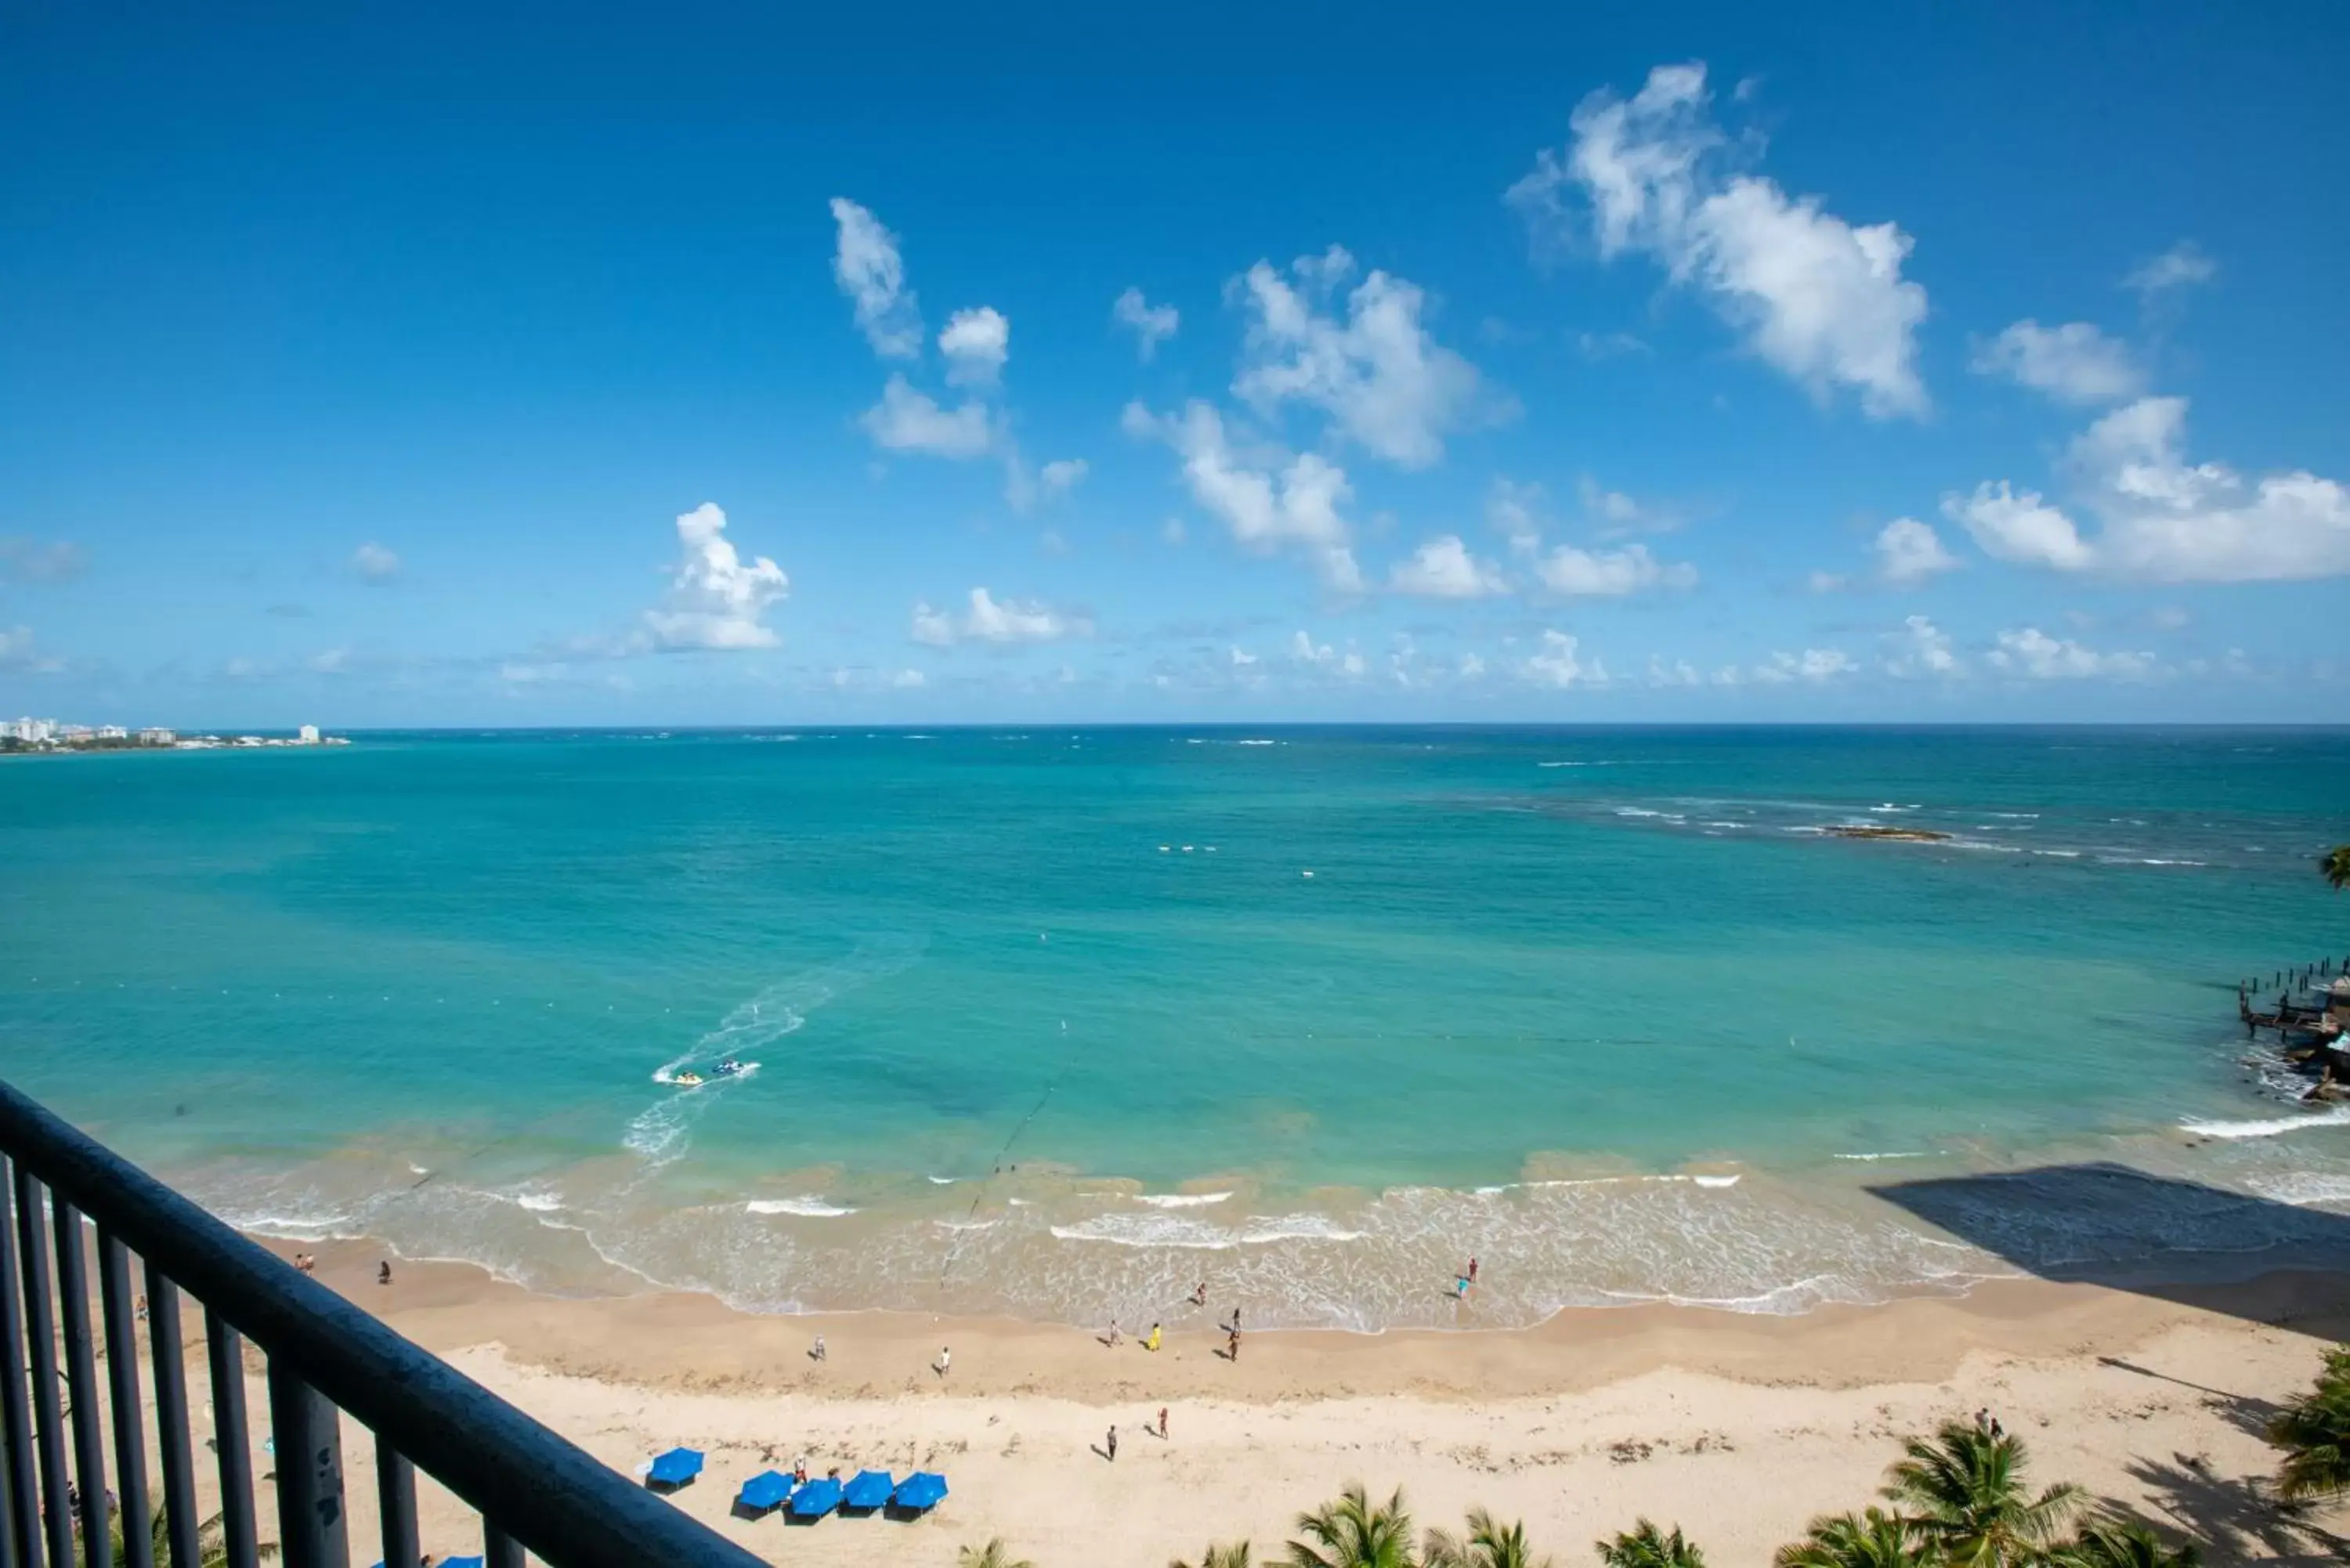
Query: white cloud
x=907 y=420
x=375 y=563
x=1241 y=657
x=2183 y=265
x=1443 y=569
x=17 y=654
x=1152 y=324
x=331 y=661
x=1473 y=666
x=1826 y=582
x=1003 y=622
x=2161 y=518
x=867 y=266
x=25 y=560
x=1813 y=664
x=1171 y=530
x=1061 y=476
x=1610 y=573
x=1380 y=375
x=1511 y=509
x=715 y=601
x=976 y=343
x=1322 y=656
x=1910 y=552
x=1558 y=663
x=1598 y=347
x=1292 y=502
x=1819 y=298
x=1921 y=648
x=2075 y=363
x=1680 y=672
x=909 y=679
x=2034 y=653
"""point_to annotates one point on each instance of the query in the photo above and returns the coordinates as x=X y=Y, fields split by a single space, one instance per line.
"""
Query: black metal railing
x=535 y=1491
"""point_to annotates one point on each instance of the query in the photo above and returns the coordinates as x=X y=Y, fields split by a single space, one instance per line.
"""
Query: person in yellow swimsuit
x=1152 y=1342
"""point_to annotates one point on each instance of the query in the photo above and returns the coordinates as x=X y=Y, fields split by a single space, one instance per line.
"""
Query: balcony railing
x=535 y=1491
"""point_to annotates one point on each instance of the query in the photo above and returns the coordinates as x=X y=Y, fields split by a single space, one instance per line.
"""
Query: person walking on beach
x=1232 y=1345
x=1114 y=1338
x=1110 y=1448
x=1163 y=1423
x=1152 y=1342
x=946 y=1359
x=1473 y=1270
x=1200 y=1296
x=384 y=1272
x=818 y=1352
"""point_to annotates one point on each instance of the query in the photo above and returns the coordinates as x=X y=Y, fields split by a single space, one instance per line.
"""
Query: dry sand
x=1739 y=1429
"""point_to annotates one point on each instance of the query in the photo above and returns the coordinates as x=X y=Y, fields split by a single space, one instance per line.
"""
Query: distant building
x=307 y=735
x=155 y=737
x=110 y=733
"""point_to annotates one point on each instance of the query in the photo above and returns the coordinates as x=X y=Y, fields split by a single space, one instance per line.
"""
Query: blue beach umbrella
x=922 y=1490
x=817 y=1499
x=764 y=1490
x=461 y=1563
x=676 y=1466
x=866 y=1489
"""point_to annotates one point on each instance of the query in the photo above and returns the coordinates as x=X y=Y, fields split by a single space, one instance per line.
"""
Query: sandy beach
x=1738 y=1427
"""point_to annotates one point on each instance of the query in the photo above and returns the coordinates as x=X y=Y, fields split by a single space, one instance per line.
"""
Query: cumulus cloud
x=907 y=420
x=1922 y=648
x=1287 y=502
x=1059 y=477
x=2162 y=519
x=1443 y=569
x=375 y=563
x=1821 y=299
x=866 y=266
x=2075 y=363
x=909 y=679
x=2034 y=653
x=1910 y=552
x=715 y=599
x=2183 y=265
x=1610 y=573
x=1382 y=378
x=976 y=343
x=1003 y=622
x=1814 y=665
x=25 y=560
x=1680 y=672
x=1559 y=662
x=1151 y=323
x=17 y=653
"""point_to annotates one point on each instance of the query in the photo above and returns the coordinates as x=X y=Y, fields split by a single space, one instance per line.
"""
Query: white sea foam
x=966 y=1225
x=1160 y=1229
x=2304 y=1188
x=1715 y=1180
x=1181 y=1199
x=539 y=1202
x=807 y=1208
x=2274 y=1127
x=1891 y=1153
x=943 y=1180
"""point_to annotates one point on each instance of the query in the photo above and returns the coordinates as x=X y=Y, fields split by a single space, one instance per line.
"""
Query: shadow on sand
x=2153 y=1235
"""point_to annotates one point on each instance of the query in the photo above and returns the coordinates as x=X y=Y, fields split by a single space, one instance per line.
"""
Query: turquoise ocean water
x=1060 y=1022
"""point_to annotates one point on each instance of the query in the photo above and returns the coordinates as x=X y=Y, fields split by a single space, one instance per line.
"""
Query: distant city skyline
x=1823 y=366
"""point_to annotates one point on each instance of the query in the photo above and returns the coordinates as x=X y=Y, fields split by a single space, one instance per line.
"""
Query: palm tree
x=212 y=1540
x=1354 y=1532
x=1235 y=1555
x=1645 y=1546
x=2334 y=865
x=1490 y=1545
x=994 y=1554
x=1964 y=1490
x=2315 y=1433
x=2120 y=1543
x=1873 y=1540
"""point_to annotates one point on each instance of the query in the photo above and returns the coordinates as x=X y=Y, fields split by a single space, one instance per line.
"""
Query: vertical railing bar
x=312 y=1532
x=123 y=1384
x=41 y=1339
x=16 y=1414
x=181 y=1525
x=224 y=1348
x=395 y=1491
x=81 y=1382
x=499 y=1549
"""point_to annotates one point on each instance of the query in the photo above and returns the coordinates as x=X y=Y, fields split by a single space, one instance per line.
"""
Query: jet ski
x=728 y=1068
x=689 y=1078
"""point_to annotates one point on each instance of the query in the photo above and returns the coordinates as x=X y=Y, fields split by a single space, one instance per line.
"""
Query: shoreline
x=1737 y=1426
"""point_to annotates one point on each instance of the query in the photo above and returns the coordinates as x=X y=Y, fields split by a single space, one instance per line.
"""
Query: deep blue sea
x=1059 y=1023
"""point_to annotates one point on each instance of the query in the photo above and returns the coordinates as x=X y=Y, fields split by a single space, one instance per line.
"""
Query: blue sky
x=577 y=365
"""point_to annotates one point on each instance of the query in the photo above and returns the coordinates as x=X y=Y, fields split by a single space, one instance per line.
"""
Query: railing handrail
x=551 y=1496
